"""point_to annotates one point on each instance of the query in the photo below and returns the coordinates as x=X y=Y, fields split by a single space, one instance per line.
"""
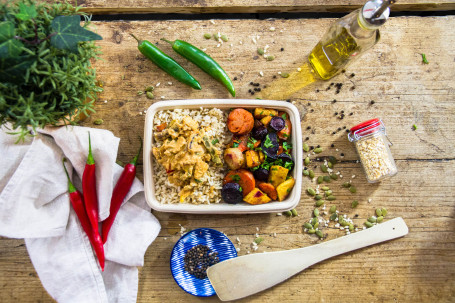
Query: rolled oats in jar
x=372 y=146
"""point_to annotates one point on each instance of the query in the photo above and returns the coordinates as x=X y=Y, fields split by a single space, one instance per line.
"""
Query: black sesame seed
x=352 y=75
x=251 y=83
x=343 y=71
x=282 y=49
x=317 y=90
x=352 y=87
x=312 y=147
x=350 y=114
x=333 y=145
x=356 y=215
x=309 y=127
x=342 y=154
x=312 y=110
x=336 y=113
x=307 y=138
x=333 y=133
x=318 y=146
x=288 y=100
x=334 y=100
x=339 y=128
x=305 y=168
x=372 y=102
x=235 y=78
x=347 y=130
x=309 y=104
x=274 y=77
x=344 y=127
x=342 y=111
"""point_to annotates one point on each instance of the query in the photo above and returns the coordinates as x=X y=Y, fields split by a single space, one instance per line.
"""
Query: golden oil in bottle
x=348 y=38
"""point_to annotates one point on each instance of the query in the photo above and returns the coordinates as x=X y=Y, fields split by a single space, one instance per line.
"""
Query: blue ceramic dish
x=216 y=241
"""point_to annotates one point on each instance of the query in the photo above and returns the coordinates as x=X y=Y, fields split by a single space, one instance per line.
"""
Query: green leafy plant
x=46 y=74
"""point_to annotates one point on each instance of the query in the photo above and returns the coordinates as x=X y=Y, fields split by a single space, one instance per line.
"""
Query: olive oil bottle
x=348 y=38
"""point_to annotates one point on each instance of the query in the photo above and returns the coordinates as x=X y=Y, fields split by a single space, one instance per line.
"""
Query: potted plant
x=46 y=73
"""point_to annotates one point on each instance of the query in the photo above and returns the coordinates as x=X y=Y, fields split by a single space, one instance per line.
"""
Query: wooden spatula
x=243 y=276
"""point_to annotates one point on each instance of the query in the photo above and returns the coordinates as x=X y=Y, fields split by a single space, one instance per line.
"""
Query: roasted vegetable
x=256 y=196
x=277 y=175
x=243 y=177
x=266 y=120
x=285 y=188
x=285 y=133
x=261 y=156
x=240 y=121
x=287 y=161
x=259 y=132
x=269 y=189
x=234 y=158
x=277 y=123
x=232 y=193
x=260 y=113
x=240 y=142
x=252 y=158
x=261 y=174
x=270 y=145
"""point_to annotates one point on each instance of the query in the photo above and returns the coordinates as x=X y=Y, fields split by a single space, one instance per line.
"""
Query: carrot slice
x=243 y=177
x=240 y=121
x=161 y=127
x=269 y=189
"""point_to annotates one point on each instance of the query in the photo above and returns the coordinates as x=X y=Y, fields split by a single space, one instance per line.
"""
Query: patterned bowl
x=216 y=241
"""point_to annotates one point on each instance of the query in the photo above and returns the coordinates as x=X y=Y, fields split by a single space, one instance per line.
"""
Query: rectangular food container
x=223 y=208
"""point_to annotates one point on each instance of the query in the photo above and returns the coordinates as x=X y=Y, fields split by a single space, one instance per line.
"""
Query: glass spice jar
x=372 y=146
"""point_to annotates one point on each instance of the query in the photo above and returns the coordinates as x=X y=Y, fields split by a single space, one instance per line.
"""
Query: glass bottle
x=348 y=38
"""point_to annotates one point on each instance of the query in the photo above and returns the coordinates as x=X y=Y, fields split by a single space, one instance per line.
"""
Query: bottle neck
x=361 y=29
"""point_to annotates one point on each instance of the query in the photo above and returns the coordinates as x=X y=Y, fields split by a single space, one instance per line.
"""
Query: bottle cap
x=375 y=13
x=365 y=128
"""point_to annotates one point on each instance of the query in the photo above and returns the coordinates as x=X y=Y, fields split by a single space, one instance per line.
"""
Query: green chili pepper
x=203 y=61
x=166 y=63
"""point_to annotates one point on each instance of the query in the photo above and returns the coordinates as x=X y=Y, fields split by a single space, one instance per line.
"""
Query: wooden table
x=417 y=268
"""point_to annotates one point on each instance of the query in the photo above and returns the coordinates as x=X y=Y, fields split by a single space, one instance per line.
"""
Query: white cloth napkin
x=34 y=204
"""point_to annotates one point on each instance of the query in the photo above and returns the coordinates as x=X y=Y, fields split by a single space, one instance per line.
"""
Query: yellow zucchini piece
x=256 y=196
x=266 y=120
x=261 y=157
x=277 y=175
x=252 y=158
x=285 y=188
x=260 y=112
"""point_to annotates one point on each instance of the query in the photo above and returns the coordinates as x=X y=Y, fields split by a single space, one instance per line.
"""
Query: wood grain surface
x=250 y=6
x=417 y=268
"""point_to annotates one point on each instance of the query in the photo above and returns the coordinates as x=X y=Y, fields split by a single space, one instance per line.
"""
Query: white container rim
x=223 y=208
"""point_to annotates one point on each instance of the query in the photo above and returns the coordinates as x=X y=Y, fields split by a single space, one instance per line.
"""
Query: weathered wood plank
x=419 y=267
x=251 y=6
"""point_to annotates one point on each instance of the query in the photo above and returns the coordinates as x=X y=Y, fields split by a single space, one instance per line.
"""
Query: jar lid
x=366 y=128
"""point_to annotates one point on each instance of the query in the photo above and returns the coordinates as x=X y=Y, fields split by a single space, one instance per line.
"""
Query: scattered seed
x=140 y=93
x=316 y=225
x=150 y=95
x=285 y=75
x=311 y=231
x=326 y=178
x=384 y=212
x=306 y=172
x=323 y=168
x=414 y=127
x=333 y=216
x=149 y=89
x=319 y=234
x=334 y=177
x=351 y=227
x=328 y=192
x=379 y=219
x=308 y=225
x=311 y=174
x=320 y=179
x=319 y=203
x=318 y=150
x=330 y=165
x=305 y=147
x=346 y=184
x=258 y=240
x=294 y=212
x=333 y=209
x=311 y=191
x=325 y=188
x=270 y=58
x=224 y=38
x=207 y=36
x=318 y=197
x=331 y=198
x=352 y=189
x=372 y=219
x=314 y=221
x=354 y=204
x=98 y=121
x=288 y=213
x=378 y=212
x=368 y=224
x=260 y=51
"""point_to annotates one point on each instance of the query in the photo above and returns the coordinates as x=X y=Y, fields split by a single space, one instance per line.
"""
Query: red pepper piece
x=89 y=188
x=77 y=201
x=118 y=195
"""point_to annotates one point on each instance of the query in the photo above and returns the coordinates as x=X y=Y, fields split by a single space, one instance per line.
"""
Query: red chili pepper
x=118 y=195
x=77 y=201
x=89 y=188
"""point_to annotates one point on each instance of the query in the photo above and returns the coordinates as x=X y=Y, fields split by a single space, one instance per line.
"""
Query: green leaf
x=26 y=12
x=6 y=31
x=69 y=33
x=14 y=69
x=11 y=48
